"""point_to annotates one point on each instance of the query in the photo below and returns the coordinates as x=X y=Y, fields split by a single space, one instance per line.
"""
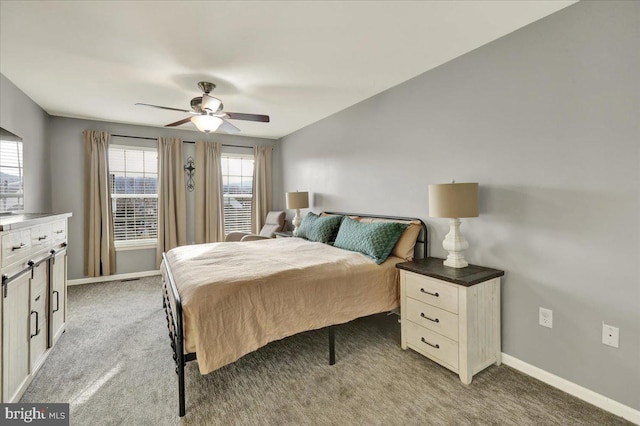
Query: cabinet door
x=15 y=337
x=58 y=296
x=38 y=315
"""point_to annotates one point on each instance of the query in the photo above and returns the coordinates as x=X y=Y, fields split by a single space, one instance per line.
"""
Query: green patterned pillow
x=375 y=240
x=321 y=229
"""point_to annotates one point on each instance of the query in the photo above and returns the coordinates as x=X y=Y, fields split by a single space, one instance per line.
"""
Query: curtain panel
x=99 y=249
x=262 y=187
x=172 y=210
x=209 y=193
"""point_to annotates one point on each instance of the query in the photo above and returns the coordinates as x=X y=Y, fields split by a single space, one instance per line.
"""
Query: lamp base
x=297 y=220
x=455 y=244
x=455 y=261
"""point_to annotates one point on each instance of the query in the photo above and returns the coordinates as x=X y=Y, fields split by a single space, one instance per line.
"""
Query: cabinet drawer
x=435 y=319
x=59 y=231
x=41 y=237
x=15 y=247
x=38 y=304
x=39 y=280
x=432 y=344
x=432 y=291
x=38 y=327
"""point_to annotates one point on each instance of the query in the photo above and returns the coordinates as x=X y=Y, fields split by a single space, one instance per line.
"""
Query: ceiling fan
x=207 y=113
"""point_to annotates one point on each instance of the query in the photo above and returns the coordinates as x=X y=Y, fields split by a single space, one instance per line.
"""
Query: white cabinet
x=57 y=295
x=39 y=313
x=15 y=337
x=451 y=316
x=33 y=297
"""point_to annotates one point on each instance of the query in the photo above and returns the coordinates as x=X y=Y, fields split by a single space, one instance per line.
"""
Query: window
x=11 y=173
x=133 y=172
x=237 y=181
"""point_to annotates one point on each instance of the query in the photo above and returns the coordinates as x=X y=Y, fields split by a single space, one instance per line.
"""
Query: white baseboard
x=571 y=388
x=116 y=277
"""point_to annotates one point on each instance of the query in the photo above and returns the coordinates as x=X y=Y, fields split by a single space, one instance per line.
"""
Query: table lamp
x=453 y=201
x=297 y=200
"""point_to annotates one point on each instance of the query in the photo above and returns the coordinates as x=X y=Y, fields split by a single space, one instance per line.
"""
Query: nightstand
x=451 y=315
x=284 y=234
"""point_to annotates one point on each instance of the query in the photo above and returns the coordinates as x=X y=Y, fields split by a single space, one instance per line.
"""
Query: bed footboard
x=173 y=310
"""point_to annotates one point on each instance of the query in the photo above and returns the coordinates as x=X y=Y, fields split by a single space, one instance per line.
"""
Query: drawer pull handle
x=21 y=246
x=59 y=232
x=43 y=238
x=429 y=293
x=429 y=318
x=430 y=344
x=37 y=328
x=57 y=300
x=37 y=298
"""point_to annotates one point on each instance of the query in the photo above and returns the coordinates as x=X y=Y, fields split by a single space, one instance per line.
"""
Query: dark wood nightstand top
x=284 y=234
x=433 y=267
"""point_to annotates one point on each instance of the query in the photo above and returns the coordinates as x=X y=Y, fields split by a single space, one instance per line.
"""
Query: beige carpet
x=114 y=366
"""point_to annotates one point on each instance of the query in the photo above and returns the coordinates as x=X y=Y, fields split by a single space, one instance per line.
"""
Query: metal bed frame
x=173 y=307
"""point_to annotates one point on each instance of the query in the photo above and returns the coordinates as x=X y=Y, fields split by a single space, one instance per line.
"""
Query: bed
x=224 y=300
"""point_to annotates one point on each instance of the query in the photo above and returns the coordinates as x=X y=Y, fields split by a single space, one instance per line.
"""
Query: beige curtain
x=172 y=205
x=100 y=255
x=209 y=195
x=261 y=200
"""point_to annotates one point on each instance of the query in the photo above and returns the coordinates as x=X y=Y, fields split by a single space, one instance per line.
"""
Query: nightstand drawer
x=435 y=319
x=433 y=292
x=433 y=344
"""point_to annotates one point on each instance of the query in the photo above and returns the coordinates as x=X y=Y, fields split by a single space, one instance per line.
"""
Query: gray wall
x=546 y=120
x=23 y=117
x=67 y=180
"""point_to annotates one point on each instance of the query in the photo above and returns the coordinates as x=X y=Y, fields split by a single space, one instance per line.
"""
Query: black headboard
x=421 y=249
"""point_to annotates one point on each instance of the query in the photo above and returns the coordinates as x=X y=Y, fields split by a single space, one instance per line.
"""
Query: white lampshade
x=210 y=104
x=453 y=200
x=206 y=123
x=297 y=200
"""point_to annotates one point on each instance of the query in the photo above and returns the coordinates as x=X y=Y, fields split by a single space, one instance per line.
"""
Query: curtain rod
x=155 y=139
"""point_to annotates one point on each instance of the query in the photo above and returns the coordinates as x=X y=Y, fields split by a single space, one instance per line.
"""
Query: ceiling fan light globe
x=206 y=123
x=211 y=104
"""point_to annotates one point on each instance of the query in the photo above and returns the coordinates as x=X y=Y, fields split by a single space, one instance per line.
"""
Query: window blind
x=237 y=182
x=133 y=173
x=11 y=176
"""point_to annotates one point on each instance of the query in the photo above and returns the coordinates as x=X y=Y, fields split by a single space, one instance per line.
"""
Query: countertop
x=468 y=276
x=9 y=222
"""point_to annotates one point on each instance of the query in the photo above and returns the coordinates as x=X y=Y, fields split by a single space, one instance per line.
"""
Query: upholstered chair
x=273 y=223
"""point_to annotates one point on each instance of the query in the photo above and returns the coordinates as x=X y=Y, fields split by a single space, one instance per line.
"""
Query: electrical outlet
x=545 y=317
x=610 y=335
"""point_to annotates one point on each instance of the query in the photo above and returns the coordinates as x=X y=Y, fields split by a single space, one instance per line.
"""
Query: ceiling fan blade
x=228 y=127
x=178 y=123
x=170 y=109
x=247 y=117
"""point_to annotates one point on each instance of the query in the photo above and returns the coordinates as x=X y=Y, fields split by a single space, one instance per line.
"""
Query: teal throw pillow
x=322 y=229
x=375 y=240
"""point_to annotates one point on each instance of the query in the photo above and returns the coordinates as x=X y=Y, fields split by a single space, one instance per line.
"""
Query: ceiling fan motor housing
x=206 y=87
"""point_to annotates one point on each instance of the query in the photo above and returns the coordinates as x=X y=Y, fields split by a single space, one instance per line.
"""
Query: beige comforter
x=237 y=297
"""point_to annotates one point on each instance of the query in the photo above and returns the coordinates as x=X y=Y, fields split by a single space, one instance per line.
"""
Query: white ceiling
x=295 y=61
